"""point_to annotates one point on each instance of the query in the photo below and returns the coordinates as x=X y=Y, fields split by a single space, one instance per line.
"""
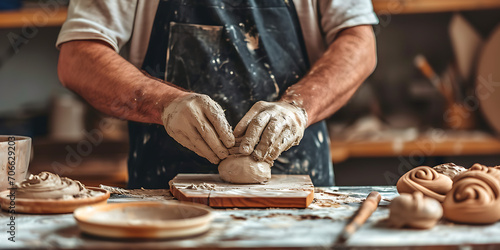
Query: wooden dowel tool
x=364 y=212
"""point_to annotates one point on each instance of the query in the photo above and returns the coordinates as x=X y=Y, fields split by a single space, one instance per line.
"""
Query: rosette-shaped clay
x=488 y=170
x=426 y=180
x=47 y=185
x=414 y=210
x=474 y=198
x=449 y=169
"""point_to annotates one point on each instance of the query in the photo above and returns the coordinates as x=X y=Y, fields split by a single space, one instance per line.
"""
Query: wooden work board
x=287 y=191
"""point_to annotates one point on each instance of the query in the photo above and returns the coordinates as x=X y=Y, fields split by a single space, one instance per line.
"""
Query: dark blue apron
x=238 y=52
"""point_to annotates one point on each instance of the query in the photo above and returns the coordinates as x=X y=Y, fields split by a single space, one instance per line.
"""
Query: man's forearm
x=334 y=78
x=111 y=84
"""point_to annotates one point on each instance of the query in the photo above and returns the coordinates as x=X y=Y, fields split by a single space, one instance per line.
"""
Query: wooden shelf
x=429 y=6
x=33 y=17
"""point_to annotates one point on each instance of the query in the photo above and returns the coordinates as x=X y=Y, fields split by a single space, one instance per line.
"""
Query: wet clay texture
x=51 y=186
x=474 y=198
x=269 y=128
x=199 y=124
x=244 y=170
x=426 y=180
x=415 y=211
x=449 y=169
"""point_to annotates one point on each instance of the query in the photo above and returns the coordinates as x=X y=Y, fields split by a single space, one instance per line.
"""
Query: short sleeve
x=340 y=14
x=110 y=21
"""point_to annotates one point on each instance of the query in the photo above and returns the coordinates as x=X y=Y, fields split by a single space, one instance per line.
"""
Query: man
x=210 y=65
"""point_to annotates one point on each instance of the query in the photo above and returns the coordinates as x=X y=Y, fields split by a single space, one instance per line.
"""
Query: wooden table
x=315 y=227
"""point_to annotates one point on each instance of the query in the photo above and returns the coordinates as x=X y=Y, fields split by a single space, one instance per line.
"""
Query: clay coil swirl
x=426 y=180
x=47 y=185
x=485 y=169
x=474 y=198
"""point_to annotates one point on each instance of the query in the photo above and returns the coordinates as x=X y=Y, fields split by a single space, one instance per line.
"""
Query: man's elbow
x=64 y=65
x=372 y=61
x=371 y=52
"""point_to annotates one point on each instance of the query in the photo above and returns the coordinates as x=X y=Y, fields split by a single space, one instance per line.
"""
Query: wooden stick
x=364 y=212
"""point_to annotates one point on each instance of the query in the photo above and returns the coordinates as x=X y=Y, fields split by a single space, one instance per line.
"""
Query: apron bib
x=237 y=52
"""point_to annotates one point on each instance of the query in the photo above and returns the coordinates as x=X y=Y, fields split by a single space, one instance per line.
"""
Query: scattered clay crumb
x=238 y=217
x=114 y=190
x=335 y=193
x=314 y=217
x=326 y=203
x=352 y=200
x=202 y=186
x=333 y=199
x=296 y=217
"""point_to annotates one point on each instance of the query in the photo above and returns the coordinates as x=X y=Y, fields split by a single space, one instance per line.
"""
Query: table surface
x=315 y=227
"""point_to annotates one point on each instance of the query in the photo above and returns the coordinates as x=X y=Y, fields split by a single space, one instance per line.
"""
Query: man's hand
x=273 y=126
x=199 y=124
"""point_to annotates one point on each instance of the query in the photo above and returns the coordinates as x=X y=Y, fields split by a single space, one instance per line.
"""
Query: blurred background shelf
x=466 y=144
x=428 y=6
x=35 y=16
x=40 y=17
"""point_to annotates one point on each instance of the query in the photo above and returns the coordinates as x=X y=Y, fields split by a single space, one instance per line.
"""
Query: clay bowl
x=144 y=220
x=51 y=206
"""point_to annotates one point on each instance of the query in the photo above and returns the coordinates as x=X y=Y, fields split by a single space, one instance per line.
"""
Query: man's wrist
x=165 y=96
x=295 y=101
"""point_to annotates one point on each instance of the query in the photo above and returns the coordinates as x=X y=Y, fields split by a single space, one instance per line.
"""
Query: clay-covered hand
x=270 y=128
x=198 y=123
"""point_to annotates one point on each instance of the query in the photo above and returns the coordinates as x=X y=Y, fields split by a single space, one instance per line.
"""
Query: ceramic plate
x=144 y=219
x=51 y=206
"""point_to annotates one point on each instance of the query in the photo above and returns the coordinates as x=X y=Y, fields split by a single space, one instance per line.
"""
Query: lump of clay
x=51 y=186
x=426 y=180
x=449 y=169
x=473 y=199
x=244 y=170
x=415 y=211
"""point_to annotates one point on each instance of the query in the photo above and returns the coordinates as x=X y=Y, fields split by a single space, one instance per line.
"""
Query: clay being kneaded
x=244 y=170
x=415 y=211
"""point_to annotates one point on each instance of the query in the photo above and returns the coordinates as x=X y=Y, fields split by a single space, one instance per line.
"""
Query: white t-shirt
x=129 y=22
